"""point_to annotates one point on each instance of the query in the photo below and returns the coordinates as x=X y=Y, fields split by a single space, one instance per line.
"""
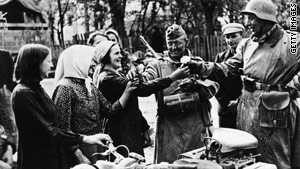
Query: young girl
x=39 y=138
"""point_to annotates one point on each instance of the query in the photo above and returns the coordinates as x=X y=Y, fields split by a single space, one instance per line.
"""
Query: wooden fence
x=206 y=47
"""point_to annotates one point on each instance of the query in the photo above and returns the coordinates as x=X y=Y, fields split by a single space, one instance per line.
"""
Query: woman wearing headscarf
x=80 y=104
x=61 y=63
x=95 y=67
x=96 y=37
x=114 y=36
x=129 y=128
x=39 y=136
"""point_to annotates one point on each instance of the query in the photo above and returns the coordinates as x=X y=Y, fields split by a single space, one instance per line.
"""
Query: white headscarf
x=112 y=31
x=75 y=62
x=101 y=50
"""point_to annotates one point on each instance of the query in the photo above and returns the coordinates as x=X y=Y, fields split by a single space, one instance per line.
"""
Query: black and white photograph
x=149 y=84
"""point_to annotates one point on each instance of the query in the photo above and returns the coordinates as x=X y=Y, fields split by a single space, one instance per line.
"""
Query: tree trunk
x=209 y=8
x=61 y=32
x=118 y=14
x=86 y=17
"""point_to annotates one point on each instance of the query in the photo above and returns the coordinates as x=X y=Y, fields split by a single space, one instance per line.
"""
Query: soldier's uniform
x=183 y=117
x=268 y=108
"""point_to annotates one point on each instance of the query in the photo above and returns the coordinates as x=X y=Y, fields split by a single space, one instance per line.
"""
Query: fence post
x=207 y=47
x=218 y=45
x=130 y=48
x=211 y=47
x=197 y=45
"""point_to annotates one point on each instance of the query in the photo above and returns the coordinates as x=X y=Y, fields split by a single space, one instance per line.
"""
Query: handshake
x=194 y=64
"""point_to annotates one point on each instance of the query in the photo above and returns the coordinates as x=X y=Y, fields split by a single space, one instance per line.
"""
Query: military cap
x=232 y=28
x=174 y=31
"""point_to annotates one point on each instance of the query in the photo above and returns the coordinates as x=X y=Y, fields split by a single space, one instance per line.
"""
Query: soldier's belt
x=251 y=85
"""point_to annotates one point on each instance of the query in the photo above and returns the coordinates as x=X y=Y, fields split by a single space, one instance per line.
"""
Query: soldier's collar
x=275 y=36
x=173 y=62
x=271 y=37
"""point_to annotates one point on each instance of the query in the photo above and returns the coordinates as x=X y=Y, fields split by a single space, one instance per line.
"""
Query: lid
x=234 y=139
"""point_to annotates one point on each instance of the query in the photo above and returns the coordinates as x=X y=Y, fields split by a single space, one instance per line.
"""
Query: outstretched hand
x=97 y=139
x=132 y=85
x=180 y=73
x=194 y=66
x=132 y=73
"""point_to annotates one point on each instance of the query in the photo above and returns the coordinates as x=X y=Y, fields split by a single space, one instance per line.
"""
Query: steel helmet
x=263 y=9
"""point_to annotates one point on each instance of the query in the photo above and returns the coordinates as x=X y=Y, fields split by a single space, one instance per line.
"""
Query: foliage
x=194 y=15
x=198 y=17
x=66 y=12
x=117 y=10
x=283 y=12
x=232 y=9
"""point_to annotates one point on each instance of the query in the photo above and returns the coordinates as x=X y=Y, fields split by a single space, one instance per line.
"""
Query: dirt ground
x=148 y=107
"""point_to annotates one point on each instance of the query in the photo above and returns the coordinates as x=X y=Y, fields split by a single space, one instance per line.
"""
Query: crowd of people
x=97 y=86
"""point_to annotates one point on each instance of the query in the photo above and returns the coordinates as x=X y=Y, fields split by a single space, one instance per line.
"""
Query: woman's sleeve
x=62 y=98
x=144 y=89
x=147 y=88
x=114 y=82
x=151 y=80
x=106 y=108
x=29 y=103
x=151 y=71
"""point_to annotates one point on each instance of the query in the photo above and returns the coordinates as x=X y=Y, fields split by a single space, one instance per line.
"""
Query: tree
x=283 y=12
x=100 y=14
x=199 y=16
x=232 y=9
x=57 y=25
x=146 y=20
x=61 y=23
x=117 y=10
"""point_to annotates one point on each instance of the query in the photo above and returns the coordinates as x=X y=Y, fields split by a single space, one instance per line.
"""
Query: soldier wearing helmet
x=260 y=18
x=265 y=9
x=267 y=107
